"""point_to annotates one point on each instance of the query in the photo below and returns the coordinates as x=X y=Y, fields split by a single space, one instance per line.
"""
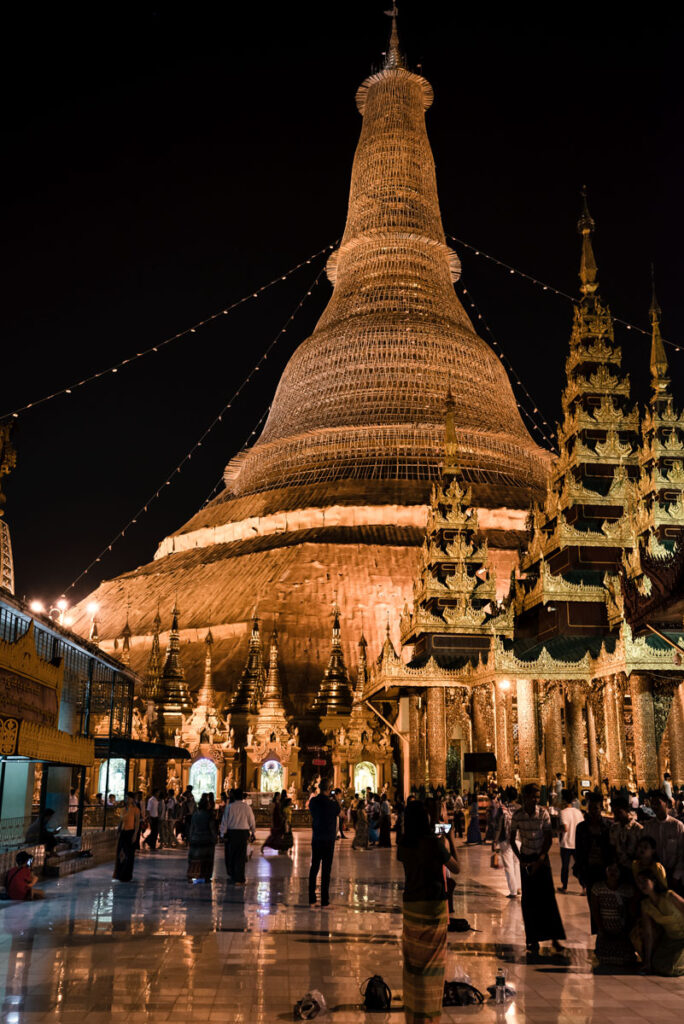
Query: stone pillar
x=645 y=750
x=552 y=725
x=528 y=740
x=503 y=711
x=615 y=766
x=416 y=766
x=676 y=730
x=592 y=746
x=574 y=734
x=436 y=736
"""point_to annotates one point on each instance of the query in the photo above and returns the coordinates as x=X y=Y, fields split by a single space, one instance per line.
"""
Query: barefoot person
x=128 y=834
x=532 y=824
x=424 y=856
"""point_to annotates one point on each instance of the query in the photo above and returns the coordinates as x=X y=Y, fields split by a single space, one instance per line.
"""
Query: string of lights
x=200 y=441
x=550 y=288
x=534 y=414
x=217 y=486
x=115 y=367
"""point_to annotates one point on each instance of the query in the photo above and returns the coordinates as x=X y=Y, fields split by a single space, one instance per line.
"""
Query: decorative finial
x=209 y=639
x=394 y=57
x=659 y=365
x=588 y=269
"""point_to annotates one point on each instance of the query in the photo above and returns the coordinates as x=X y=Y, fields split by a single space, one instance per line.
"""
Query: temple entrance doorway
x=365 y=776
x=116 y=784
x=272 y=777
x=203 y=777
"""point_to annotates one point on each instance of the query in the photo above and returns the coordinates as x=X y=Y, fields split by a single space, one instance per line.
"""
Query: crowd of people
x=626 y=855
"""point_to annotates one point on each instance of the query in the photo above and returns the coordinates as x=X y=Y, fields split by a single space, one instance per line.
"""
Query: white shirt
x=570 y=818
x=153 y=807
x=238 y=815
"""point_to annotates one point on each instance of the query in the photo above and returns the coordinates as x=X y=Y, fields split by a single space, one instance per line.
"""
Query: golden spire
x=335 y=694
x=588 y=270
x=8 y=460
x=206 y=697
x=659 y=365
x=394 y=57
x=126 y=643
x=154 y=664
x=450 y=451
x=249 y=689
x=273 y=692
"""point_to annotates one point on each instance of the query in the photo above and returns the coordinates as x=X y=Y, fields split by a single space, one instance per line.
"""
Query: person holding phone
x=424 y=851
x=20 y=880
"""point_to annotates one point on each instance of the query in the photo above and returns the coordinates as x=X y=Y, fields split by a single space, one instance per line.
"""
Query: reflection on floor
x=160 y=949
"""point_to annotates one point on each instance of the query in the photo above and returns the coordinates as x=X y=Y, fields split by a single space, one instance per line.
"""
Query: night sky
x=159 y=164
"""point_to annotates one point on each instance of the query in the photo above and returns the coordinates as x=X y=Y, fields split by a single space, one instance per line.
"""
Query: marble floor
x=159 y=949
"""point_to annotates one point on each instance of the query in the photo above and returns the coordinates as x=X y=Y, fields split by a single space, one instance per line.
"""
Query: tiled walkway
x=159 y=949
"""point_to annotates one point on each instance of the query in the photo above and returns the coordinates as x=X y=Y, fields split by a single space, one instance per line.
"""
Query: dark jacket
x=584 y=870
x=324 y=811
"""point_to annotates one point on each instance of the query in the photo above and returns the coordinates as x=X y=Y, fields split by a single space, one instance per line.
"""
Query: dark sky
x=161 y=161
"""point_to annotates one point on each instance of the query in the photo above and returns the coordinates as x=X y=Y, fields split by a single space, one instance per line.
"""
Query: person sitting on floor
x=610 y=903
x=38 y=832
x=662 y=927
x=20 y=880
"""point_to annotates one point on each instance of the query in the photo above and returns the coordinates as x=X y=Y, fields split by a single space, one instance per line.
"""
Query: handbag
x=377 y=995
x=494 y=861
x=460 y=993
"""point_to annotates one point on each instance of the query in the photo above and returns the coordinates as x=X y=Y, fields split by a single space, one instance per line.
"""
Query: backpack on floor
x=377 y=995
x=460 y=993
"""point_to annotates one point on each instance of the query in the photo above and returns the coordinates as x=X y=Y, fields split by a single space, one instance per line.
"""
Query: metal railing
x=12 y=832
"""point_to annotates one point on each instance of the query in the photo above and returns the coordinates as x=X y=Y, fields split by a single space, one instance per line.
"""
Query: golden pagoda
x=334 y=494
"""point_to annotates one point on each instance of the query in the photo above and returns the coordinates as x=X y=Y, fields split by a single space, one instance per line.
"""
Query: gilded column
x=436 y=736
x=592 y=747
x=574 y=734
x=422 y=741
x=503 y=711
x=528 y=739
x=416 y=767
x=483 y=738
x=616 y=748
x=643 y=718
x=676 y=730
x=552 y=725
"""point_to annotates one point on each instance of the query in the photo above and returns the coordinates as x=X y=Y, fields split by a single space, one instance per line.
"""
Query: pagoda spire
x=394 y=57
x=152 y=684
x=273 y=691
x=393 y=308
x=126 y=643
x=335 y=695
x=251 y=684
x=660 y=379
x=588 y=270
x=8 y=460
x=206 y=697
x=173 y=686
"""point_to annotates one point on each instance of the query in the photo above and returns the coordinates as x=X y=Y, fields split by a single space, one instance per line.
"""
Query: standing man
x=502 y=841
x=625 y=832
x=324 y=812
x=153 y=806
x=237 y=825
x=532 y=824
x=570 y=818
